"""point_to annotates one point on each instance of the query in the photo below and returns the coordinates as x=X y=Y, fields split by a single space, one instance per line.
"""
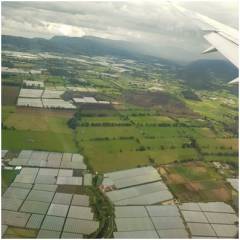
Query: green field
x=110 y=146
x=164 y=143
x=86 y=133
x=214 y=110
x=114 y=147
x=105 y=162
x=37 y=140
x=151 y=120
x=36 y=130
x=37 y=121
x=145 y=127
x=103 y=120
x=131 y=146
x=176 y=155
x=7 y=111
x=167 y=132
x=7 y=178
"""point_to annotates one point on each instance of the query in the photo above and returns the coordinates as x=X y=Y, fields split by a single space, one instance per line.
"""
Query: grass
x=166 y=132
x=192 y=122
x=163 y=143
x=110 y=146
x=219 y=143
x=221 y=148
x=146 y=145
x=7 y=111
x=37 y=121
x=105 y=162
x=38 y=140
x=214 y=110
x=169 y=156
x=113 y=155
x=14 y=232
x=86 y=133
x=7 y=178
x=41 y=130
x=151 y=120
x=102 y=120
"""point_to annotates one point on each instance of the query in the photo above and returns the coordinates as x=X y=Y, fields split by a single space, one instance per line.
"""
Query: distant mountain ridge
x=201 y=74
x=87 y=45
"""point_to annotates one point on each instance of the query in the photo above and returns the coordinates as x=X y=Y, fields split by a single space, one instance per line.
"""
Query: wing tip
x=234 y=81
x=209 y=50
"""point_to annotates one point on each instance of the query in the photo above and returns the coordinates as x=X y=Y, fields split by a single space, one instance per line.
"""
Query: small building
x=89 y=100
x=33 y=84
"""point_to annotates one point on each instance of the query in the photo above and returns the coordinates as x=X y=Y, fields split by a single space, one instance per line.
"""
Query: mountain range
x=198 y=74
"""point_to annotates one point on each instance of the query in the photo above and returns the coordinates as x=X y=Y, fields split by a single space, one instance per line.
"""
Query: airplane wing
x=221 y=37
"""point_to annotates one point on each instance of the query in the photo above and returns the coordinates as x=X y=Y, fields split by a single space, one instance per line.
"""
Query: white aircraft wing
x=221 y=37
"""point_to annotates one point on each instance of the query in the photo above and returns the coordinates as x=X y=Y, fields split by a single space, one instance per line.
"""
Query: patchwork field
x=162 y=99
x=196 y=181
x=153 y=120
x=150 y=122
x=121 y=147
x=214 y=110
x=112 y=141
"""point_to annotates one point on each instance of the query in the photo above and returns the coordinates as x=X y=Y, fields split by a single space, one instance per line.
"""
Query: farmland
x=41 y=140
x=132 y=120
x=9 y=95
x=150 y=122
x=38 y=121
x=197 y=182
x=114 y=126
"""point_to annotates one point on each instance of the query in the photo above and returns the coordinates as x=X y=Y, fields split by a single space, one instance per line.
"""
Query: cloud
x=154 y=25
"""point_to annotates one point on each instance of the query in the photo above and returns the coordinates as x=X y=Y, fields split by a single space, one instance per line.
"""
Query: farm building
x=34 y=84
x=57 y=103
x=13 y=70
x=30 y=93
x=34 y=203
x=52 y=94
x=89 y=100
x=211 y=220
x=30 y=102
x=149 y=222
x=138 y=186
x=50 y=160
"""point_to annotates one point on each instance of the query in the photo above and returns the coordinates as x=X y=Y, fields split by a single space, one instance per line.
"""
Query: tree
x=72 y=123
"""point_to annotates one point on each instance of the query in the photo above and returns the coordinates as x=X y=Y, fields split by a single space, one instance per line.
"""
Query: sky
x=155 y=26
